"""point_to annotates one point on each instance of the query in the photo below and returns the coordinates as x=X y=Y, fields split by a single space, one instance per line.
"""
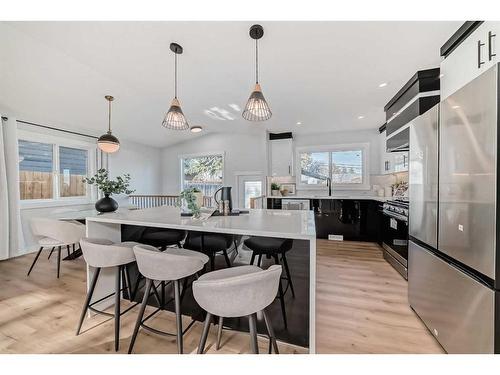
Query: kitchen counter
x=352 y=197
x=296 y=225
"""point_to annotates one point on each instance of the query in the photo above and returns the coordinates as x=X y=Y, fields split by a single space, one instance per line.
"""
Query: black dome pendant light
x=108 y=143
x=175 y=119
x=257 y=108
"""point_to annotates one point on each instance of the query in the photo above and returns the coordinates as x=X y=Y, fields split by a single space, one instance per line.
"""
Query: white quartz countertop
x=340 y=196
x=267 y=223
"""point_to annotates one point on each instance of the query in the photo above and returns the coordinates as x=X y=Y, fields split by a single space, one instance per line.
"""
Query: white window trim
x=365 y=147
x=57 y=141
x=197 y=155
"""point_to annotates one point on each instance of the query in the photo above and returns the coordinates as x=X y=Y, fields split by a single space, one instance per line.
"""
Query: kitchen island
x=296 y=225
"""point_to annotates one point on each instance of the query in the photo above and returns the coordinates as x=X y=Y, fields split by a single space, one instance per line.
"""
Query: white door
x=249 y=186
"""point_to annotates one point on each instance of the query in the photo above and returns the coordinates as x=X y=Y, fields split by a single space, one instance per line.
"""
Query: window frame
x=198 y=155
x=364 y=147
x=56 y=142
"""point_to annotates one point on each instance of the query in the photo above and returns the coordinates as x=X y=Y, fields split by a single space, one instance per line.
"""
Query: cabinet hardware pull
x=289 y=170
x=490 y=53
x=479 y=62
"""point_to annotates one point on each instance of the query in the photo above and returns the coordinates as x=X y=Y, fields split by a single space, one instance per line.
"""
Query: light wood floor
x=361 y=308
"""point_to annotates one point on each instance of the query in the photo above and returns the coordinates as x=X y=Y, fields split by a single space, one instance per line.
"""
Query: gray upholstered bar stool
x=102 y=253
x=173 y=265
x=236 y=292
x=52 y=233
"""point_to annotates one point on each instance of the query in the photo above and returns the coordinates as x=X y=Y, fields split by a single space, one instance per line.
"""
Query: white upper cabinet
x=386 y=158
x=476 y=54
x=281 y=157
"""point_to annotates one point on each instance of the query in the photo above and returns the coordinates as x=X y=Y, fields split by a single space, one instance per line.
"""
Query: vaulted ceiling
x=325 y=75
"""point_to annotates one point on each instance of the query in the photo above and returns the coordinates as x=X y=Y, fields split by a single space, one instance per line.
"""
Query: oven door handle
x=395 y=215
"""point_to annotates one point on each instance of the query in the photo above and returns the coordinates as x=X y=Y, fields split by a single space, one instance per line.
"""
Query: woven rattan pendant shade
x=175 y=119
x=257 y=108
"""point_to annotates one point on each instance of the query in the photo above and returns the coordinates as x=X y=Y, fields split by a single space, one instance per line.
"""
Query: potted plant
x=275 y=189
x=108 y=187
x=189 y=196
x=199 y=196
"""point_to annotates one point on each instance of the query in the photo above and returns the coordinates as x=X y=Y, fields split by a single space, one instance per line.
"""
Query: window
x=346 y=165
x=253 y=189
x=53 y=170
x=204 y=172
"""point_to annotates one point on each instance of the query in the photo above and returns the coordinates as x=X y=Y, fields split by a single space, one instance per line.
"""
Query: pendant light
x=257 y=108
x=175 y=119
x=108 y=142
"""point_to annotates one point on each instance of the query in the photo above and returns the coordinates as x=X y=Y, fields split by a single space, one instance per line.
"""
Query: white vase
x=199 y=199
x=275 y=193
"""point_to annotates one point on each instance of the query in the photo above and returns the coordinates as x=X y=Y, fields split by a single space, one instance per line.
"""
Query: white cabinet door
x=281 y=157
x=386 y=158
x=401 y=162
x=472 y=57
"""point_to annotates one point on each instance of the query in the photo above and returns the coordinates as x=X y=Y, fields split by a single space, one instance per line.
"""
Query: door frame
x=241 y=174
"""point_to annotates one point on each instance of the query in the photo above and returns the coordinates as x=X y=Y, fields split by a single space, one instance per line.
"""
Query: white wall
x=243 y=153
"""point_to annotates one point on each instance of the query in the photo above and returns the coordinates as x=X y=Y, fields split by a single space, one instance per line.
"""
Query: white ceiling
x=323 y=74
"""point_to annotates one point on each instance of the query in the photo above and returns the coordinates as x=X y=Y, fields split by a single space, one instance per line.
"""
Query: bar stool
x=102 y=253
x=172 y=265
x=237 y=292
x=162 y=238
x=210 y=244
x=52 y=233
x=273 y=248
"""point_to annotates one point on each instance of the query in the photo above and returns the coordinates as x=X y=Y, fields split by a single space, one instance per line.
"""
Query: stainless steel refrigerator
x=453 y=266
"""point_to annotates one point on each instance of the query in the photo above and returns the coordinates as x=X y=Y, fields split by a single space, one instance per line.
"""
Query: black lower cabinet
x=355 y=220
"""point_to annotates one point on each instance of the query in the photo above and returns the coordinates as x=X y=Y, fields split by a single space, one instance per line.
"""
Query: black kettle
x=225 y=195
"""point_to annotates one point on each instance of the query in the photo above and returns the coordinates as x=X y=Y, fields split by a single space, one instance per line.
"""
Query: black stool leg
x=288 y=275
x=252 y=323
x=67 y=249
x=126 y=275
x=178 y=316
x=36 y=258
x=141 y=314
x=281 y=294
x=212 y=262
x=51 y=251
x=117 y=307
x=253 y=258
x=88 y=298
x=259 y=262
x=219 y=332
x=226 y=257
x=272 y=337
x=204 y=334
x=58 y=260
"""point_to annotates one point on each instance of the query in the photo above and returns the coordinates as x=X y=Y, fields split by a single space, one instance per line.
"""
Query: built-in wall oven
x=395 y=234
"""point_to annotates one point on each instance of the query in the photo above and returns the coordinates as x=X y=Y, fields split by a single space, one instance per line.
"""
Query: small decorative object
x=188 y=195
x=199 y=197
x=275 y=189
x=289 y=188
x=108 y=187
x=226 y=208
x=400 y=188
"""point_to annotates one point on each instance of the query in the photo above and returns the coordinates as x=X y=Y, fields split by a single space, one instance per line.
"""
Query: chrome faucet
x=329 y=184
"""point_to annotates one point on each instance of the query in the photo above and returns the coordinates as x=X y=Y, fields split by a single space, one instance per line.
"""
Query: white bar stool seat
x=172 y=265
x=237 y=292
x=102 y=253
x=52 y=233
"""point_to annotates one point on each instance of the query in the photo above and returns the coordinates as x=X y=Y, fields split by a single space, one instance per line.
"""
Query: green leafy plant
x=107 y=186
x=190 y=198
x=275 y=186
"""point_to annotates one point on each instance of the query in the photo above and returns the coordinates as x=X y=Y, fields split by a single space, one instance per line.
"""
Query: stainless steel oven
x=395 y=234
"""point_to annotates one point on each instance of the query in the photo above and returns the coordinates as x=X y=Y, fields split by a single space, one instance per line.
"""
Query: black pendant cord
x=175 y=75
x=256 y=61
x=109 y=117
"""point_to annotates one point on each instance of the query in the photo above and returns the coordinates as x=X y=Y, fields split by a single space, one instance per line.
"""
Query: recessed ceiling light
x=299 y=123
x=383 y=84
x=361 y=117
x=196 y=129
x=441 y=75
